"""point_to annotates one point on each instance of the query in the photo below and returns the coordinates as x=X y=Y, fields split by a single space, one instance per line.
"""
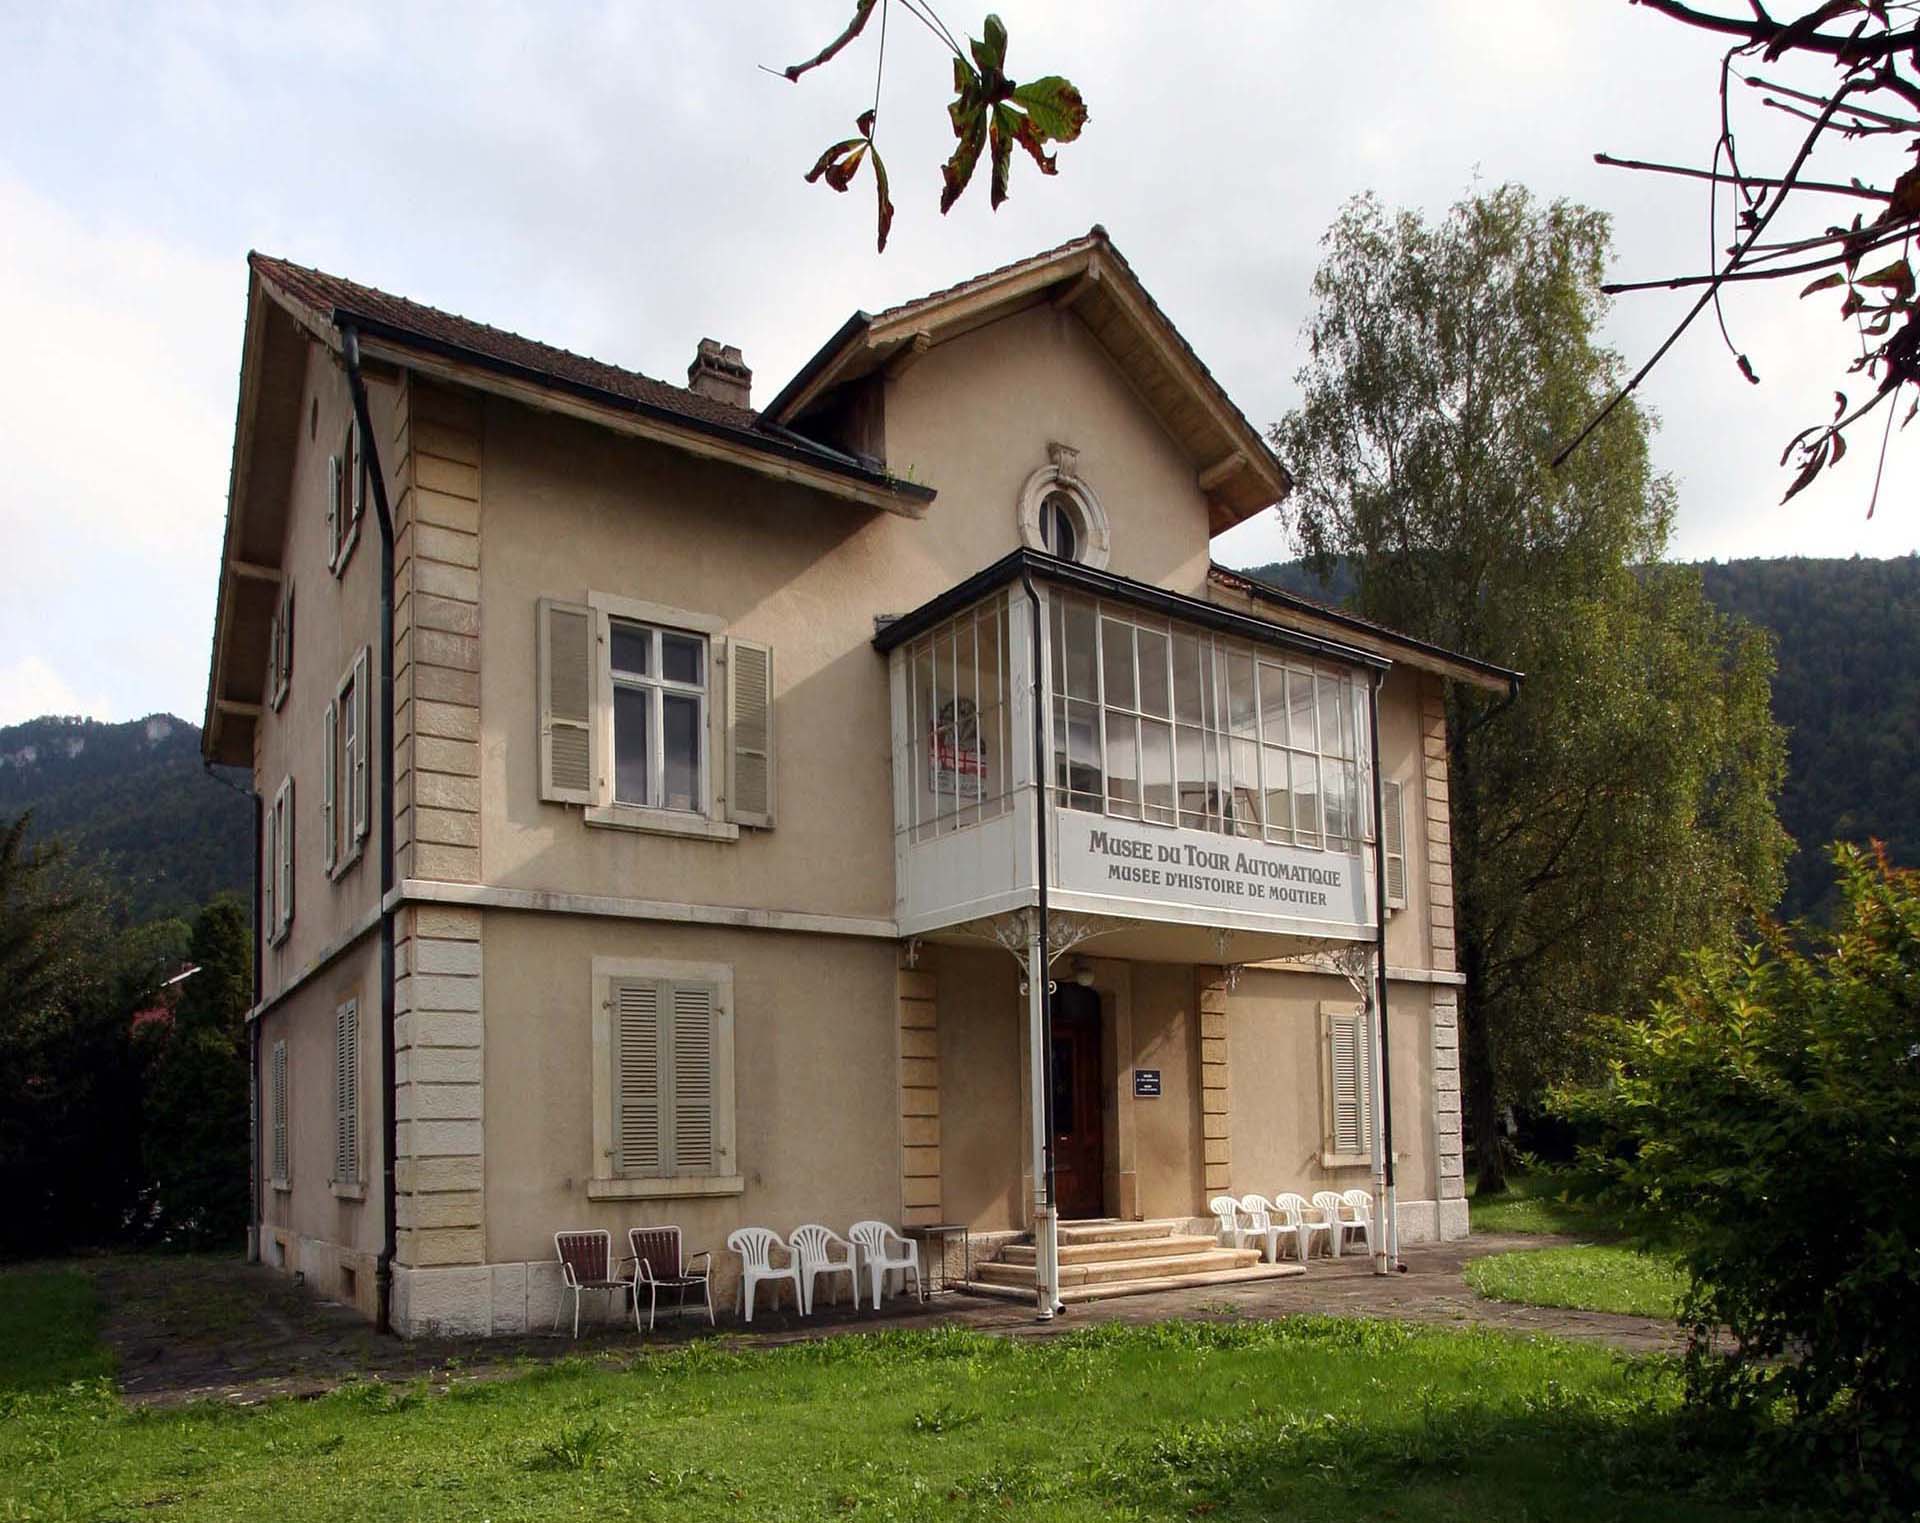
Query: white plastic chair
x=1260 y=1226
x=1360 y=1203
x=1329 y=1203
x=756 y=1246
x=1292 y=1210
x=1226 y=1213
x=813 y=1247
x=883 y=1251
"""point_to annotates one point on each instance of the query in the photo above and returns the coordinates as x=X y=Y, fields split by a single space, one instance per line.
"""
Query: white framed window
x=659 y=680
x=654 y=718
x=278 y=1161
x=1168 y=723
x=280 y=647
x=277 y=869
x=663 y=1035
x=1346 y=1096
x=345 y=779
x=346 y=1093
x=346 y=497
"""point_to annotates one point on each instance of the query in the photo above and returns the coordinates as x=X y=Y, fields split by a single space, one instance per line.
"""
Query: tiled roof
x=325 y=293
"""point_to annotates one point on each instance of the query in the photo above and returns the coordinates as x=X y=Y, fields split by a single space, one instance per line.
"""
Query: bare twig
x=1745 y=181
x=1768 y=33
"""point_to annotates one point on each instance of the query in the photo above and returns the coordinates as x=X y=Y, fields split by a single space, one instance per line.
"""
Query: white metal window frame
x=725 y=1177
x=709 y=821
x=955 y=668
x=1220 y=741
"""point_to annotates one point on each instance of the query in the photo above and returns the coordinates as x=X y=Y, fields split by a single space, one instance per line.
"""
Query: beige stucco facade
x=865 y=1076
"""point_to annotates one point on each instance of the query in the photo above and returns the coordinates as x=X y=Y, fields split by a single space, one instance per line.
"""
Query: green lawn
x=1536 y=1203
x=1588 y=1277
x=1307 y=1418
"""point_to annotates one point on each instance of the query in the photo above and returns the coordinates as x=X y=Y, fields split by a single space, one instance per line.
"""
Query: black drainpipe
x=1389 y=1230
x=1040 y=700
x=389 y=1132
x=256 y=1199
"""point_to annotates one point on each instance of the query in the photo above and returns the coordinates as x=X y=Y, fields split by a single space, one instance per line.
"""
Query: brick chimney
x=718 y=371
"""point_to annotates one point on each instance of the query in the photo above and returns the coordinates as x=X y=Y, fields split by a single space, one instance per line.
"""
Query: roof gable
x=1233 y=467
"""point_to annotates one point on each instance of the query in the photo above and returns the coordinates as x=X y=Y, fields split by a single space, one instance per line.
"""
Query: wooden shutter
x=329 y=782
x=357 y=468
x=362 y=744
x=279 y=1082
x=286 y=635
x=1347 y=1078
x=567 y=667
x=346 y=1093
x=270 y=874
x=334 y=509
x=692 y=1009
x=284 y=808
x=274 y=691
x=1394 y=837
x=639 y=1078
x=749 y=733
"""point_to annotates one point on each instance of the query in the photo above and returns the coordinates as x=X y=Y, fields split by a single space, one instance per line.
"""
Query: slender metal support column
x=1045 y=1236
x=1386 y=1233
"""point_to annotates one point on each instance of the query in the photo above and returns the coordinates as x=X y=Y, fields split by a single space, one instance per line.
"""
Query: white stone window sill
x=349 y=1192
x=283 y=1186
x=665 y=1189
x=338 y=566
x=661 y=822
x=341 y=868
x=1351 y=1160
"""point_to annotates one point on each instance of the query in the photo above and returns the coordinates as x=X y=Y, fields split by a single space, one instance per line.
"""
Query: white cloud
x=30 y=688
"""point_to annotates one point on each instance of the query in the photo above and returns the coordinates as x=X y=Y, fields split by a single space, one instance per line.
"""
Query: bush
x=1764 y=1122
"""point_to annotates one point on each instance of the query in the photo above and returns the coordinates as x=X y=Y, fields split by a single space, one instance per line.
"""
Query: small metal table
x=941 y=1234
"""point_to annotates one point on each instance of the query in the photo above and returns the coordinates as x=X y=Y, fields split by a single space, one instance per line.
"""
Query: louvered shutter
x=1347 y=1071
x=286 y=635
x=357 y=468
x=1393 y=827
x=363 y=739
x=749 y=733
x=270 y=874
x=329 y=782
x=286 y=854
x=692 y=1078
x=279 y=1111
x=346 y=1093
x=334 y=506
x=639 y=1119
x=274 y=693
x=567 y=665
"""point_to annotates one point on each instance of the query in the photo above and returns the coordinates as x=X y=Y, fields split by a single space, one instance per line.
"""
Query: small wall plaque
x=1146 y=1084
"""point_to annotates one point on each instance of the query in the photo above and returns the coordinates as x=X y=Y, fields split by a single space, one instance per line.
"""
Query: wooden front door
x=1079 y=1130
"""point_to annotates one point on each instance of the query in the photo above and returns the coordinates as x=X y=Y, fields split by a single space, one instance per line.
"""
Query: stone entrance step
x=1108 y=1271
x=1108 y=1231
x=1072 y=1294
x=1113 y=1248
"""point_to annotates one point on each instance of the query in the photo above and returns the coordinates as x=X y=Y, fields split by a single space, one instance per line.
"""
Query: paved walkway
x=187 y=1329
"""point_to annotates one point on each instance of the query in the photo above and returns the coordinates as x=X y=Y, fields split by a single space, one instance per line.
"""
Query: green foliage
x=132 y=802
x=1307 y=1418
x=194 y=1137
x=1586 y=1277
x=1619 y=812
x=1764 y=1119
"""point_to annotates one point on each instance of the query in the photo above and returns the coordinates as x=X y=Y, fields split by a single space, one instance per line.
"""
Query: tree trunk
x=1479 y=1090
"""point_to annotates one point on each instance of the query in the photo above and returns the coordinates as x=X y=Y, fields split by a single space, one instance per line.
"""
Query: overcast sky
x=622 y=180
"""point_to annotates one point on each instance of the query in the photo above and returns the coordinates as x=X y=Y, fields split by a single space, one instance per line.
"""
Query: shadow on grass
x=49 y=1330
x=1539 y=1203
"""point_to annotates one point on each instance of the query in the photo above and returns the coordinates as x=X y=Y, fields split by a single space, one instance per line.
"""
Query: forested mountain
x=133 y=801
x=1847 y=637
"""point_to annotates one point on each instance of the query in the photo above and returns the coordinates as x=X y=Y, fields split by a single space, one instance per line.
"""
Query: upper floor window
x=659 y=717
x=1059 y=531
x=346 y=497
x=1060 y=513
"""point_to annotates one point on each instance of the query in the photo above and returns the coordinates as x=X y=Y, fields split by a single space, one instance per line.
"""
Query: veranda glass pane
x=1334 y=802
x=680 y=787
x=1245 y=759
x=632 y=646
x=1306 y=799
x=1116 y=661
x=1191 y=755
x=1156 y=770
x=1300 y=708
x=1189 y=684
x=1273 y=704
x=632 y=744
x=1241 y=714
x=1279 y=807
x=1336 y=716
x=683 y=658
x=1083 y=756
x=1155 y=679
x=1123 y=766
x=1080 y=650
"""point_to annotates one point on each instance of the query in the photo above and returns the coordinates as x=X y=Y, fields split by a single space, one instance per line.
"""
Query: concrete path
x=186 y=1329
